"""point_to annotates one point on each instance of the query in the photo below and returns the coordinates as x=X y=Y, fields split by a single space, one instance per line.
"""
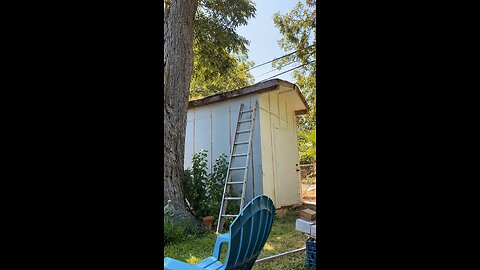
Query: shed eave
x=256 y=88
x=302 y=98
x=302 y=112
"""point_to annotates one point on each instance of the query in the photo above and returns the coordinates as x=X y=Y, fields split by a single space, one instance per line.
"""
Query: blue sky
x=264 y=36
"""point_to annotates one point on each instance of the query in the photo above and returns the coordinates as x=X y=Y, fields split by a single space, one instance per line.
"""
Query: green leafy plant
x=307 y=140
x=298 y=30
x=203 y=190
x=194 y=181
x=215 y=184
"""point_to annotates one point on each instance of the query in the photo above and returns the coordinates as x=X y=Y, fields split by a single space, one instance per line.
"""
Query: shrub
x=215 y=184
x=307 y=146
x=203 y=190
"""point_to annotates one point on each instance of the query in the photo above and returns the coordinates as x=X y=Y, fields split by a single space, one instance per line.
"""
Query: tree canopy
x=220 y=54
x=298 y=28
x=204 y=83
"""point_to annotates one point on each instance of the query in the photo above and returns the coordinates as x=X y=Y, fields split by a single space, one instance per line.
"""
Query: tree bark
x=178 y=66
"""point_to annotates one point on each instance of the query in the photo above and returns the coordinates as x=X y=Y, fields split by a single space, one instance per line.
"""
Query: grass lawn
x=283 y=238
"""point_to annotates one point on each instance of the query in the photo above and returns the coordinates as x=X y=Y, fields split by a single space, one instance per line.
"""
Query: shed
x=274 y=166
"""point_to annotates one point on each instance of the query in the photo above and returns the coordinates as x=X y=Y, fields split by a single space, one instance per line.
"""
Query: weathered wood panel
x=249 y=90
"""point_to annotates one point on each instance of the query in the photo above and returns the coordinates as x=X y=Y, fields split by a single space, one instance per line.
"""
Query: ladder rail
x=226 y=187
x=223 y=207
x=245 y=177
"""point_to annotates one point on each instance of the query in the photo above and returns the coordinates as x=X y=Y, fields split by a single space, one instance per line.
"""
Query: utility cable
x=279 y=57
x=276 y=69
x=286 y=71
x=282 y=66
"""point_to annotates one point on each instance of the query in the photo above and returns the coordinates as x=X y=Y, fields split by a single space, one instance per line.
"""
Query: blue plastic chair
x=248 y=234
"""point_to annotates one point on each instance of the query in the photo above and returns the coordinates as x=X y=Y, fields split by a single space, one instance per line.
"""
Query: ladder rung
x=243 y=121
x=241 y=143
x=229 y=181
x=229 y=215
x=235 y=182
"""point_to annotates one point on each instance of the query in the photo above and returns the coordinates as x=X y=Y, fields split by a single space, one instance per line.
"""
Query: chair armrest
x=172 y=264
x=223 y=238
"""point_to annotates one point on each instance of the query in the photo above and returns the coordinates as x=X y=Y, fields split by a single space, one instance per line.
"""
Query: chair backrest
x=249 y=232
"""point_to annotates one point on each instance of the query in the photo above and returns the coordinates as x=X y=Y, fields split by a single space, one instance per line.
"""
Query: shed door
x=287 y=173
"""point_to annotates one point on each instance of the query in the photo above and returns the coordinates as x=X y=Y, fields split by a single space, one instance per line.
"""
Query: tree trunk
x=178 y=66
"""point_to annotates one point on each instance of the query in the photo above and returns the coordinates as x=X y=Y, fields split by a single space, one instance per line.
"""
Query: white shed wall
x=212 y=127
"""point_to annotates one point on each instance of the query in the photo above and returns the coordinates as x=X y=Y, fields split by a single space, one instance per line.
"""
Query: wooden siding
x=211 y=124
x=275 y=112
x=212 y=127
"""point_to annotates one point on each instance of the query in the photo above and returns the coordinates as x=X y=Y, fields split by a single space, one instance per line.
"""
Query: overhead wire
x=276 y=69
x=279 y=57
x=286 y=71
x=282 y=66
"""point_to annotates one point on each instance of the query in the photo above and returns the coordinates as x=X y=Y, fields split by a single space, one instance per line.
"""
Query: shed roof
x=260 y=87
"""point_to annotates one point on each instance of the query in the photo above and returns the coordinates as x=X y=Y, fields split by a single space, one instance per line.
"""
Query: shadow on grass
x=283 y=238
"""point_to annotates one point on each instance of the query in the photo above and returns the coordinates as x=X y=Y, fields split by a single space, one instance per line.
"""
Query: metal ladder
x=233 y=156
